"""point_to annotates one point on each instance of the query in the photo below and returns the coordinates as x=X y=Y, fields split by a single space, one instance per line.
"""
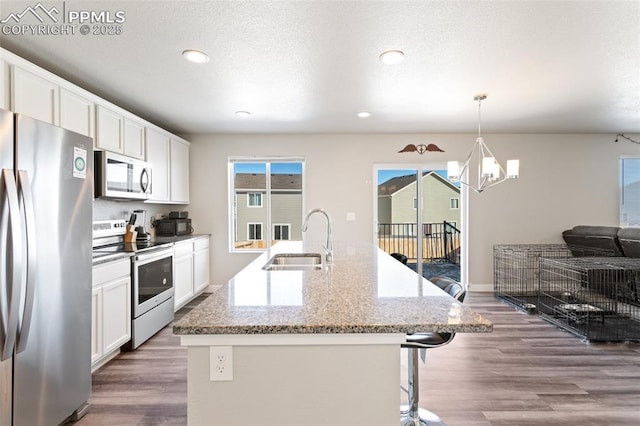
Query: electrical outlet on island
x=220 y=363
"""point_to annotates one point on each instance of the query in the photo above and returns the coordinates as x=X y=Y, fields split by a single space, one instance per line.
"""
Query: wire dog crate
x=516 y=271
x=595 y=298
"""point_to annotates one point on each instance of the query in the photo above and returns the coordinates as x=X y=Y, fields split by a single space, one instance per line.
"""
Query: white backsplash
x=107 y=209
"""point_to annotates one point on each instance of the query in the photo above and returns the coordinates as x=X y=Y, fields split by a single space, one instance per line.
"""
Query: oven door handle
x=143 y=258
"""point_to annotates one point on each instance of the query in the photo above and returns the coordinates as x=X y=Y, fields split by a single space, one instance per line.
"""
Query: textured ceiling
x=310 y=66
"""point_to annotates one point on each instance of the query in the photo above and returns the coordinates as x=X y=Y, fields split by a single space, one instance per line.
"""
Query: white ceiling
x=310 y=66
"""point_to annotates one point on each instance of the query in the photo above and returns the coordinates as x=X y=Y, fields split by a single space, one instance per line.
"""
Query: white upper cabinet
x=28 y=89
x=34 y=96
x=118 y=133
x=158 y=153
x=134 y=141
x=179 y=161
x=109 y=130
x=5 y=100
x=77 y=113
x=169 y=158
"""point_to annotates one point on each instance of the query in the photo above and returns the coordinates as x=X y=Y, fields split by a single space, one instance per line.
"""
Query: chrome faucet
x=328 y=249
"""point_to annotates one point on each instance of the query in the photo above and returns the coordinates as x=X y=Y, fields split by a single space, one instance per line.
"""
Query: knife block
x=131 y=234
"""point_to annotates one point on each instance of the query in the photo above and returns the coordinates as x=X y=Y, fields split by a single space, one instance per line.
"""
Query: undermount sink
x=294 y=262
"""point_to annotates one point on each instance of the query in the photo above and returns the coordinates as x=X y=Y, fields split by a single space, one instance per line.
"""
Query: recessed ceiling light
x=195 y=56
x=243 y=113
x=391 y=57
x=364 y=114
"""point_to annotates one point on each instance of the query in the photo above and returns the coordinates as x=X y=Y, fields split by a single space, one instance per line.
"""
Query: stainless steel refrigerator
x=46 y=194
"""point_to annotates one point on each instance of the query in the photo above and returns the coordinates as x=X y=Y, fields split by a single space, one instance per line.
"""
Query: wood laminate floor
x=526 y=372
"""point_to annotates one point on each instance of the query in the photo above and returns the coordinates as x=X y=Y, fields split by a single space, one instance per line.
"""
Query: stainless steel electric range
x=151 y=277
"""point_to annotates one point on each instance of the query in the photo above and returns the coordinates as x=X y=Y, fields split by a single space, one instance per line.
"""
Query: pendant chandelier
x=490 y=172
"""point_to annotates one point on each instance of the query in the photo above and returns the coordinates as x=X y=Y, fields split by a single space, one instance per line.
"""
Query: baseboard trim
x=481 y=288
x=104 y=360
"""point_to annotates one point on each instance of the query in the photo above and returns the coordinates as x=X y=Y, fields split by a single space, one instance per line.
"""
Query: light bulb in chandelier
x=513 y=169
x=453 y=170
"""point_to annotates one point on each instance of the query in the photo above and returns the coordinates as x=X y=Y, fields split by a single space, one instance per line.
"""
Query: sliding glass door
x=418 y=218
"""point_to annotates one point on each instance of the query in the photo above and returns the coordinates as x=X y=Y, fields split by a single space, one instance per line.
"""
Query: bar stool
x=413 y=415
x=400 y=257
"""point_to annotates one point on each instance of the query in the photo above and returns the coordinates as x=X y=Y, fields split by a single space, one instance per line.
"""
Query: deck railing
x=440 y=241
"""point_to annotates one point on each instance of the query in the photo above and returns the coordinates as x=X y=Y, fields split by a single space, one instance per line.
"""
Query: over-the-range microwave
x=121 y=177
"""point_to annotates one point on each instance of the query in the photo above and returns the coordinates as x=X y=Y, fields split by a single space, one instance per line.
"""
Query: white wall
x=565 y=180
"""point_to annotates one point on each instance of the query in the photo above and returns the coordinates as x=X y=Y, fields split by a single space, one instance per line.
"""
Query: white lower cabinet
x=190 y=270
x=111 y=308
x=200 y=264
x=96 y=325
x=116 y=314
x=183 y=273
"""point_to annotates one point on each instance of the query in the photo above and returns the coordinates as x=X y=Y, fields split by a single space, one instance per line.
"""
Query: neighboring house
x=397 y=203
x=251 y=212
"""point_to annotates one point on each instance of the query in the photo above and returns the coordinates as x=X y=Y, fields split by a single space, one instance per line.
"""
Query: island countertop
x=363 y=290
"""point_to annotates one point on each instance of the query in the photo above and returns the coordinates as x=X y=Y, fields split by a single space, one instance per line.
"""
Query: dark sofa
x=584 y=240
x=606 y=247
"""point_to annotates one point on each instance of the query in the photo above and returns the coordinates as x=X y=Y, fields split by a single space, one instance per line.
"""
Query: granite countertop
x=364 y=290
x=180 y=238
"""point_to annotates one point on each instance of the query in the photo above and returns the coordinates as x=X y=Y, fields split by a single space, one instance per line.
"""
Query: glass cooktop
x=136 y=247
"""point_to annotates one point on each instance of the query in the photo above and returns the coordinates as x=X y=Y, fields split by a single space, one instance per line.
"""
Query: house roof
x=395 y=184
x=256 y=181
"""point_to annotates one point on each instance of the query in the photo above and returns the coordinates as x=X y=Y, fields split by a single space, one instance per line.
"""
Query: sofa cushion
x=586 y=240
x=630 y=241
x=596 y=231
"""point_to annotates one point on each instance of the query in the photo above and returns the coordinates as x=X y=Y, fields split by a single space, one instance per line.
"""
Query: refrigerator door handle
x=10 y=264
x=26 y=200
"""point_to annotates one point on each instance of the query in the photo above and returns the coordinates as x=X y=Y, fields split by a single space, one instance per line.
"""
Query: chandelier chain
x=479 y=117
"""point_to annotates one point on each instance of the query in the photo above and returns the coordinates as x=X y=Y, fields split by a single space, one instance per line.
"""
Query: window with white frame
x=266 y=201
x=630 y=191
x=254 y=199
x=454 y=203
x=281 y=231
x=254 y=231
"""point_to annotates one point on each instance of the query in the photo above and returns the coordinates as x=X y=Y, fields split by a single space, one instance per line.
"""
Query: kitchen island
x=312 y=347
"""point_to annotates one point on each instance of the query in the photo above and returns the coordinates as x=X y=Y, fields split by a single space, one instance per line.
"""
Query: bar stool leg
x=413 y=415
